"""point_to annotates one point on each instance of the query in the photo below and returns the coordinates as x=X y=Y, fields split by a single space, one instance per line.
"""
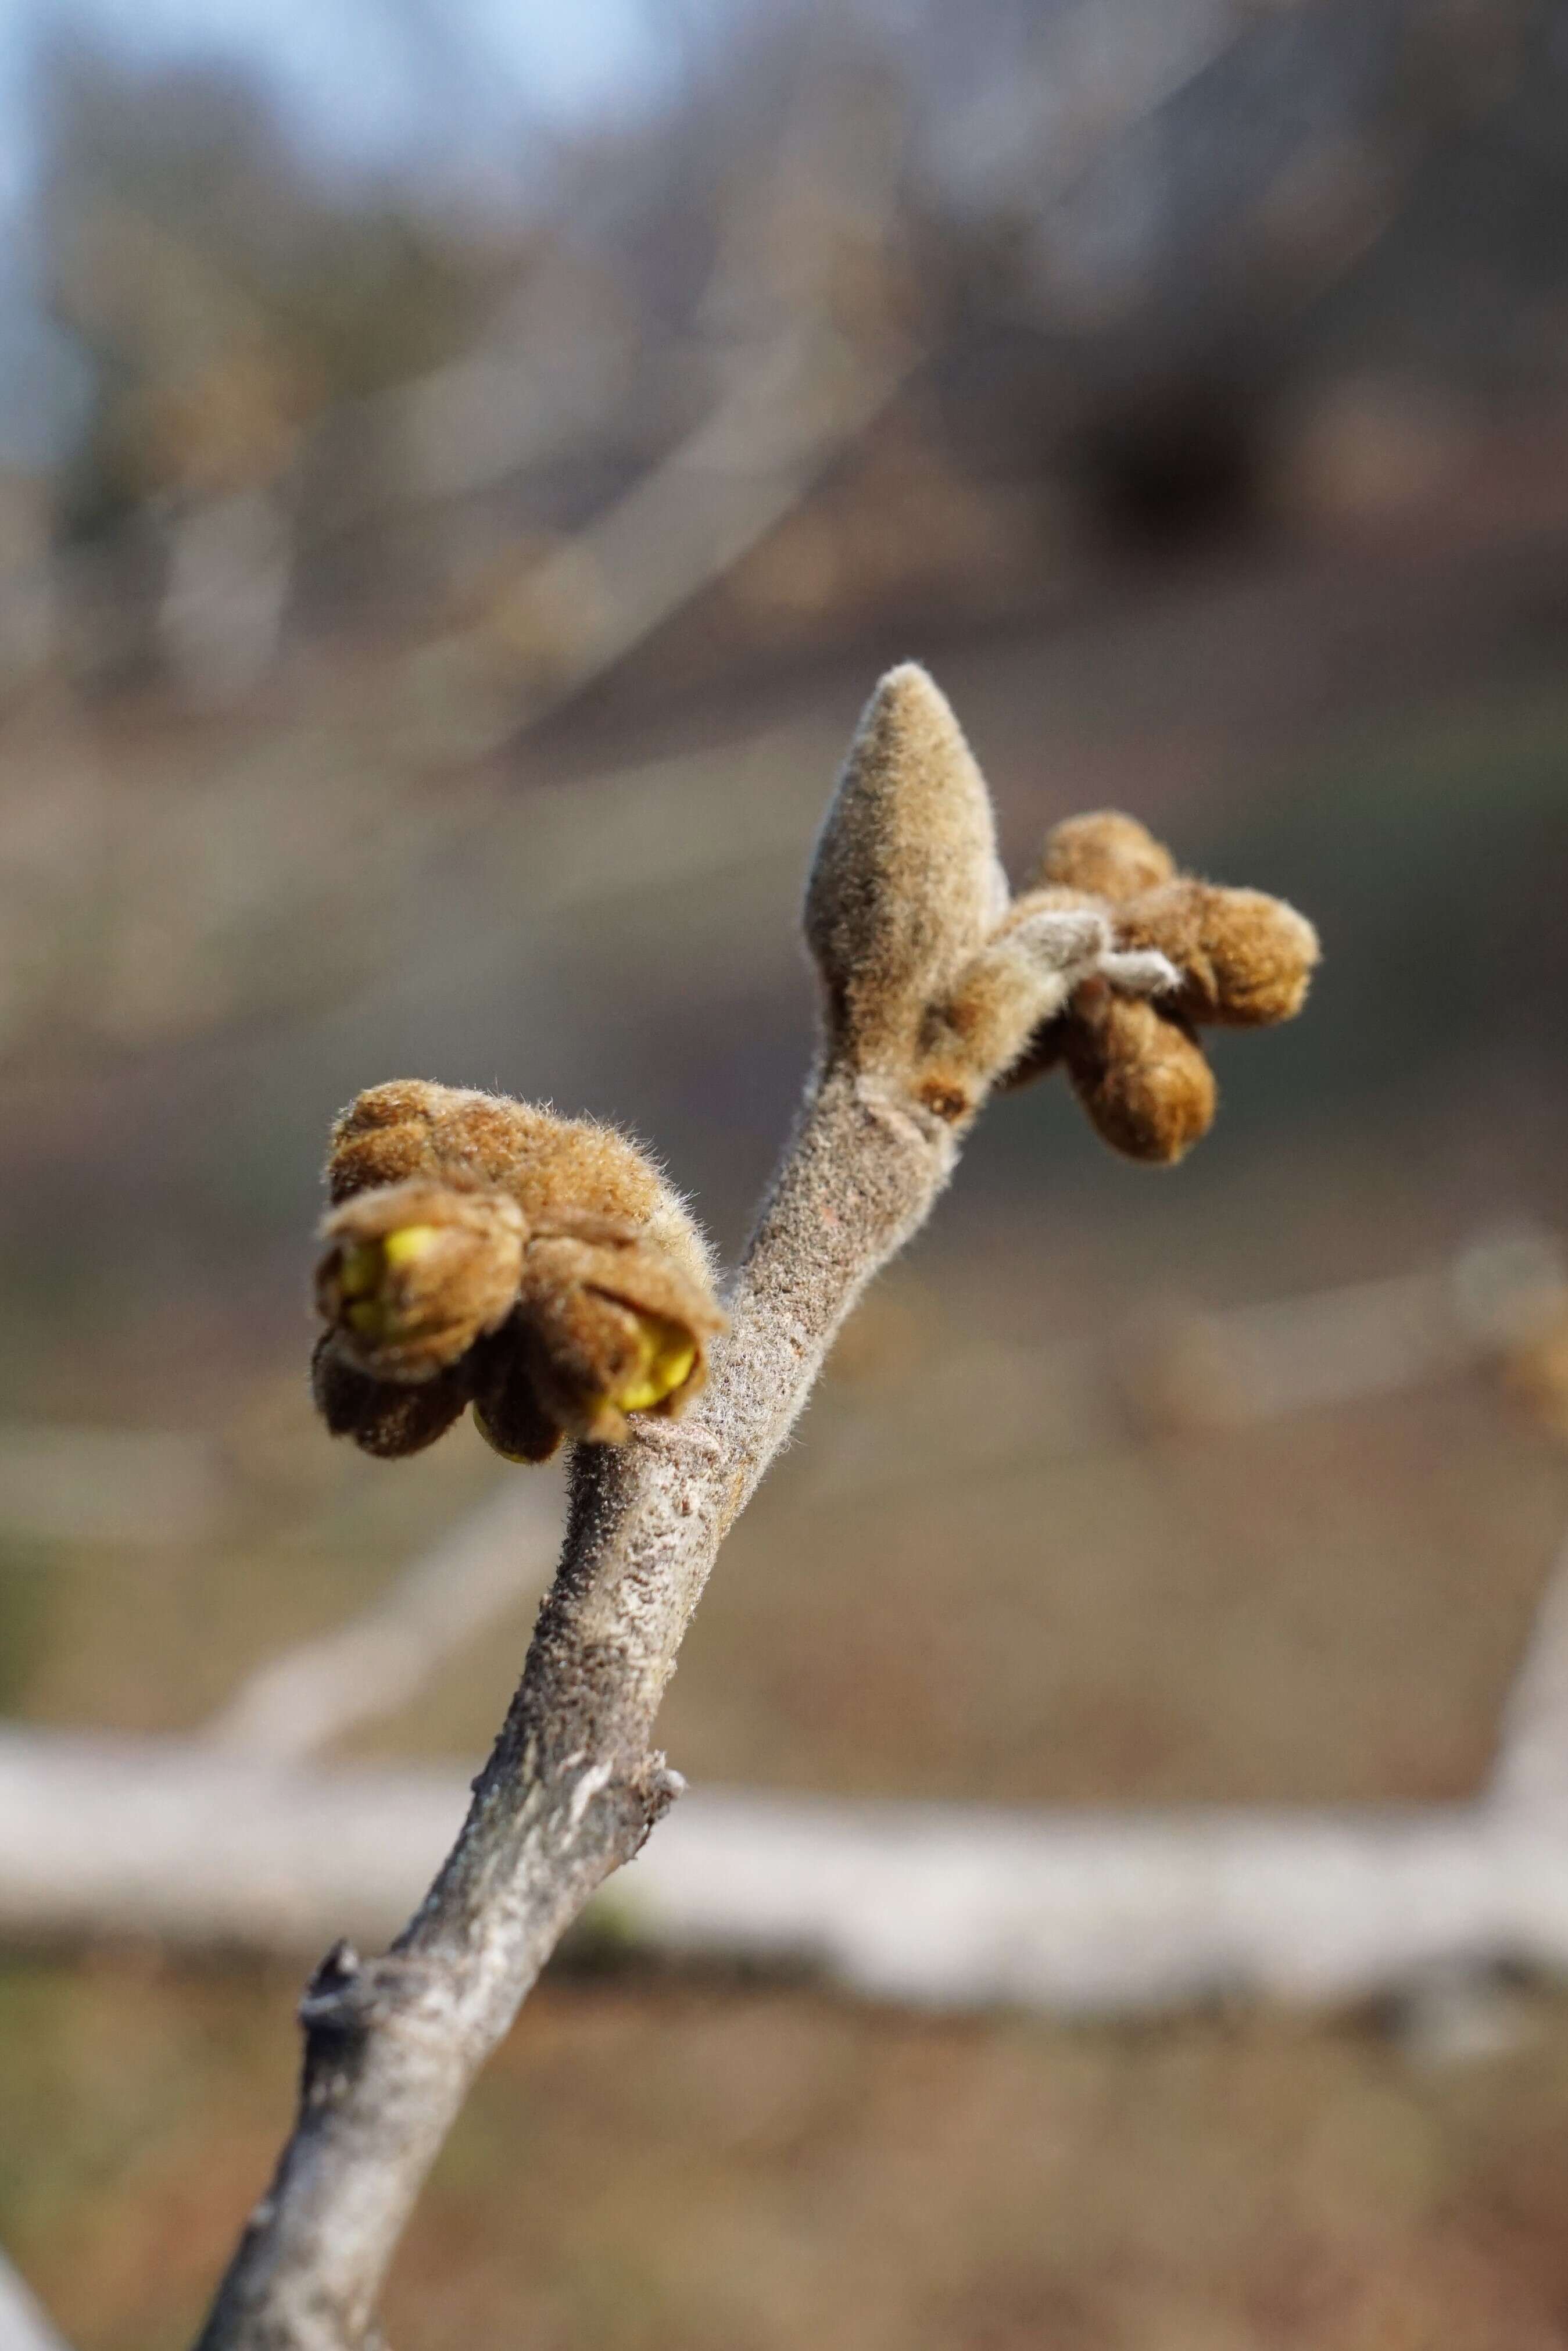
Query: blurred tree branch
x=22 y=2325
x=308 y=1698
x=1069 y=1911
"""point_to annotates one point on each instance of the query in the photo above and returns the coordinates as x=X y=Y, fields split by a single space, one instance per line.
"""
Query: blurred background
x=461 y=470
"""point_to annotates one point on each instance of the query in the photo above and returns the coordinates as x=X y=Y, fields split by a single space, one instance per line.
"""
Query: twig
x=572 y=1788
x=926 y=1004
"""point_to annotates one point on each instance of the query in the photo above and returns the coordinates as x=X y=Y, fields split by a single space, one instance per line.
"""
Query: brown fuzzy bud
x=1246 y=959
x=1142 y=1077
x=905 y=885
x=1108 y=855
x=551 y=1167
x=484 y=1250
x=508 y=1410
x=614 y=1327
x=414 y=1274
x=389 y=1418
x=1007 y=993
x=1184 y=952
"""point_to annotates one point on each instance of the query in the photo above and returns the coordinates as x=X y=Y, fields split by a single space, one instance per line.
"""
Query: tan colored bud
x=389 y=1418
x=1110 y=855
x=414 y=1274
x=1185 y=953
x=507 y=1411
x=551 y=1167
x=1142 y=1077
x=1246 y=959
x=614 y=1327
x=545 y=1259
x=904 y=884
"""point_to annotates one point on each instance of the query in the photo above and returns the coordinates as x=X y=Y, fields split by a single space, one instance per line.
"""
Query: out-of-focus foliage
x=863 y=320
x=1154 y=272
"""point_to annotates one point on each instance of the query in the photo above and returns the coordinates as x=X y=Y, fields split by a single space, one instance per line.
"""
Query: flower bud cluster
x=940 y=987
x=484 y=1252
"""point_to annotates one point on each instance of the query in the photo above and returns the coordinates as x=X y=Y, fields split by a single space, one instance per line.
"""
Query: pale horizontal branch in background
x=1078 y=1911
x=109 y=1837
x=483 y=1568
x=1531 y=1769
x=1373 y=1338
x=22 y=2325
x=1092 y=1913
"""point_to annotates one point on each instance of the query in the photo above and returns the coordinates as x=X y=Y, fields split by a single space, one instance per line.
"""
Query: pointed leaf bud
x=905 y=885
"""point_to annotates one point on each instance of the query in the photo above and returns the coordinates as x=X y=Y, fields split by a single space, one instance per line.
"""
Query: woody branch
x=935 y=988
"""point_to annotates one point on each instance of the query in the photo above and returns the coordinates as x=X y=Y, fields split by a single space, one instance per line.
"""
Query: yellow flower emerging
x=490 y=1254
x=363 y=1268
x=412 y=1275
x=668 y=1353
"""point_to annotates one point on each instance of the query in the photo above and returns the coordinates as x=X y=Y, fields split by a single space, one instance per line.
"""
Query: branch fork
x=937 y=987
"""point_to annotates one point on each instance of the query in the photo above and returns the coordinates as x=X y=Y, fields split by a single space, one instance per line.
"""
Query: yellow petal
x=410 y=1241
x=667 y=1352
x=360 y=1268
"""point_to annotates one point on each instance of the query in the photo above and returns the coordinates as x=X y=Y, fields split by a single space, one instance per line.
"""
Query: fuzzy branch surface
x=928 y=1001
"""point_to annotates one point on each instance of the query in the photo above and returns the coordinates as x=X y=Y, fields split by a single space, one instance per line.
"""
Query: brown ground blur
x=652 y=2164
